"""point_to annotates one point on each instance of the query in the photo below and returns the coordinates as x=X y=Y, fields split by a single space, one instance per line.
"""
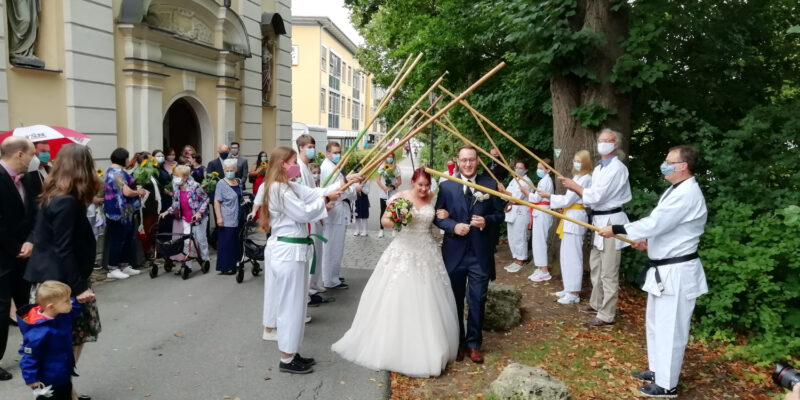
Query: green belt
x=306 y=240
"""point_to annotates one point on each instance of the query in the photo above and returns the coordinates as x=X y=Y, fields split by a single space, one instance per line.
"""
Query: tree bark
x=570 y=91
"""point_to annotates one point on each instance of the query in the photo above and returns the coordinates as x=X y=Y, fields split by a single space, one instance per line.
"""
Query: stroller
x=168 y=245
x=252 y=252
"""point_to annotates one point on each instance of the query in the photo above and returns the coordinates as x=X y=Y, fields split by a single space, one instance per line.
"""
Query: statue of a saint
x=23 y=24
x=266 y=68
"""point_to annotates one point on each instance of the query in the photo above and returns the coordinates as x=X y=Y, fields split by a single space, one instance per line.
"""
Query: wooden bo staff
x=409 y=111
x=384 y=102
x=429 y=121
x=522 y=202
x=482 y=150
x=498 y=129
x=483 y=164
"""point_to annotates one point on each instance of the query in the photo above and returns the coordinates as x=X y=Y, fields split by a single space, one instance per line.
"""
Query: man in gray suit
x=241 y=164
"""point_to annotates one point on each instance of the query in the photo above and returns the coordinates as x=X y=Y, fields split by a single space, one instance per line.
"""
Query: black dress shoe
x=309 y=361
x=228 y=272
x=5 y=375
x=645 y=376
x=295 y=367
x=12 y=322
x=653 y=390
x=84 y=397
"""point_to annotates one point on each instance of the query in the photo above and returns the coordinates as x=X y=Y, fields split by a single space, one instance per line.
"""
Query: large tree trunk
x=571 y=91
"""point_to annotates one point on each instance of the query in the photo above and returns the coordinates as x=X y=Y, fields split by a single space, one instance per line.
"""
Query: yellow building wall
x=46 y=89
x=306 y=82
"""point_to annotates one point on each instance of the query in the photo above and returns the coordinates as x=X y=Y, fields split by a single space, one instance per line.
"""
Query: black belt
x=606 y=212
x=657 y=263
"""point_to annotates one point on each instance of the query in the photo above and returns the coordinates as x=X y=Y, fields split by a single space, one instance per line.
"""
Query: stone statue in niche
x=23 y=24
x=266 y=68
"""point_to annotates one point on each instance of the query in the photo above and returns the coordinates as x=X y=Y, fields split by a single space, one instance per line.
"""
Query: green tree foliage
x=722 y=76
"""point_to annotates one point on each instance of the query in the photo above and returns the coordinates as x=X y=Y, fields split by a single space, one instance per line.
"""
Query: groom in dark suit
x=467 y=246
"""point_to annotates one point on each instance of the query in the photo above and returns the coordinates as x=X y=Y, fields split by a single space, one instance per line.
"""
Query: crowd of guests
x=53 y=209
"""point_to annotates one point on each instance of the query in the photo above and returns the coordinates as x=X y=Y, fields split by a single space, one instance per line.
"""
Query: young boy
x=48 y=362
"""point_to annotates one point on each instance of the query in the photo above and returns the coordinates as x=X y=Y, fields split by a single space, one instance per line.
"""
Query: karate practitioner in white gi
x=335 y=225
x=518 y=219
x=288 y=208
x=675 y=276
x=609 y=191
x=541 y=223
x=572 y=234
x=306 y=151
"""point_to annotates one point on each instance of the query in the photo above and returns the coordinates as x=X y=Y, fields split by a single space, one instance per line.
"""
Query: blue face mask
x=230 y=174
x=311 y=153
x=223 y=155
x=264 y=159
x=540 y=173
x=667 y=169
x=390 y=160
x=160 y=159
x=336 y=158
x=520 y=172
x=44 y=157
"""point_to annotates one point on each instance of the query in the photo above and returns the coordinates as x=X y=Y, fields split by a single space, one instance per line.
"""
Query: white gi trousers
x=332 y=253
x=541 y=228
x=270 y=295
x=315 y=280
x=572 y=261
x=290 y=283
x=667 y=320
x=518 y=237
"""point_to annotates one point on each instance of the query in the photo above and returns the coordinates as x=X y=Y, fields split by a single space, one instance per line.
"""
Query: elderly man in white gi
x=335 y=225
x=518 y=219
x=674 y=274
x=610 y=190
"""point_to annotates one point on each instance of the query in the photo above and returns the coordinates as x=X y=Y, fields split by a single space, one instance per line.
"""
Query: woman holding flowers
x=258 y=170
x=406 y=319
x=388 y=180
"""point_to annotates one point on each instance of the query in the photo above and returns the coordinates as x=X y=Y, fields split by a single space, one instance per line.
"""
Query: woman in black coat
x=63 y=242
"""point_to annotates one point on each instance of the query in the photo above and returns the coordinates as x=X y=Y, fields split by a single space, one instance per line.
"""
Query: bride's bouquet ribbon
x=521 y=202
x=305 y=240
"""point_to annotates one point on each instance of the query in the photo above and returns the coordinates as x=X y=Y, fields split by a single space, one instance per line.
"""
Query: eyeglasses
x=672 y=162
x=468 y=160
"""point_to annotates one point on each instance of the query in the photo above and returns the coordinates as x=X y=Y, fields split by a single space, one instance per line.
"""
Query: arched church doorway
x=181 y=127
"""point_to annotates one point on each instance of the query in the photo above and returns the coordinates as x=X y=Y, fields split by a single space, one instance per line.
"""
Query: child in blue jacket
x=48 y=362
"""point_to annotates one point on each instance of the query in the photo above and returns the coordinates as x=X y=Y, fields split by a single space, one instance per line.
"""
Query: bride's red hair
x=420 y=172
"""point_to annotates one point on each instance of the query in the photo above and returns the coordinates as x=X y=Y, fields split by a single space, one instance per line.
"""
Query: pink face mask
x=293 y=171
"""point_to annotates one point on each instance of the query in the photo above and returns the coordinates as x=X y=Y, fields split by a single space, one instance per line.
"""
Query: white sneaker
x=380 y=234
x=364 y=233
x=308 y=318
x=535 y=275
x=273 y=335
x=543 y=276
x=569 y=298
x=130 y=271
x=116 y=274
x=560 y=293
x=514 y=267
x=356 y=233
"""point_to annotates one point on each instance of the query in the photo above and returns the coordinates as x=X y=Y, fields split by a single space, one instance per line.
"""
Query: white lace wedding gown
x=406 y=319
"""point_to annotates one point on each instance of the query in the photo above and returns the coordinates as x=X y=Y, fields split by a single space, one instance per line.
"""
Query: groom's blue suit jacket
x=451 y=198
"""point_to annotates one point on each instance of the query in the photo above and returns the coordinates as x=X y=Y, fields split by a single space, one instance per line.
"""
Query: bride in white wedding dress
x=406 y=319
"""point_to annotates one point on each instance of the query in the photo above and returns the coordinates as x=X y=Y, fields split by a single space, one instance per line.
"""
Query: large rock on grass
x=502 y=307
x=523 y=382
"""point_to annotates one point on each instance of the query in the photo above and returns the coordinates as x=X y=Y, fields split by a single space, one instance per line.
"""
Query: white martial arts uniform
x=517 y=220
x=315 y=280
x=291 y=208
x=541 y=221
x=672 y=229
x=610 y=190
x=334 y=227
x=572 y=242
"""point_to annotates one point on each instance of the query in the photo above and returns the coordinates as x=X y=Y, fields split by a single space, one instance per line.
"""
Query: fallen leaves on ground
x=594 y=364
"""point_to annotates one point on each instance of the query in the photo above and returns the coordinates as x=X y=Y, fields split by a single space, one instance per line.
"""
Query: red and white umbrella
x=56 y=136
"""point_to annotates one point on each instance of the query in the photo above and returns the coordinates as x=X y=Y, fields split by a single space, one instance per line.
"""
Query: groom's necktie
x=468 y=193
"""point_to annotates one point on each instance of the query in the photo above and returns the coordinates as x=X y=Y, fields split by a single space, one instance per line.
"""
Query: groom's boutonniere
x=480 y=197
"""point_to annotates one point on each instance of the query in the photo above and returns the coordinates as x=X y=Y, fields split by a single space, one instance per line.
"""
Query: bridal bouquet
x=399 y=211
